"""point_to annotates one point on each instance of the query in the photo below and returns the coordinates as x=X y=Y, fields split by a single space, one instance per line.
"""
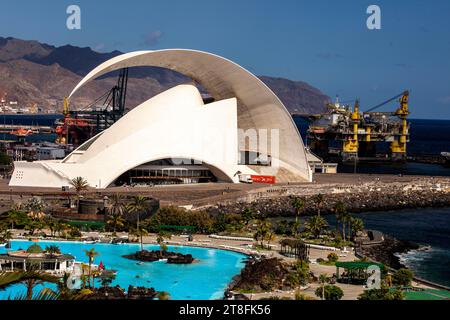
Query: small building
x=49 y=153
x=317 y=165
x=23 y=260
x=295 y=248
x=356 y=272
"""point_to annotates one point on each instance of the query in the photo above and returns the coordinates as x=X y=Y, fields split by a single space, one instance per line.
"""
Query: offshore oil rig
x=350 y=135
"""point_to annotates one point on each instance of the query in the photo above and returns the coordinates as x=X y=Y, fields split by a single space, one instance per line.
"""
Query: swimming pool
x=202 y=280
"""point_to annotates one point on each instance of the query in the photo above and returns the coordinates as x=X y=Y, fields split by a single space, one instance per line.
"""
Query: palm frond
x=8 y=279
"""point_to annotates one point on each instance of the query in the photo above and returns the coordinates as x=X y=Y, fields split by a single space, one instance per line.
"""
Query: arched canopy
x=258 y=107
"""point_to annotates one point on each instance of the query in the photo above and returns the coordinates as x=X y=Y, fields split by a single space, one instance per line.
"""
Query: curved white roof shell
x=258 y=107
x=177 y=124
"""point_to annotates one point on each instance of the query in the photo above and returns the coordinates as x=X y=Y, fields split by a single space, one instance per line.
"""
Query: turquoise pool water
x=204 y=280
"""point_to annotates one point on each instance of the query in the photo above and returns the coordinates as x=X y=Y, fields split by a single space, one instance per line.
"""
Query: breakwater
x=420 y=192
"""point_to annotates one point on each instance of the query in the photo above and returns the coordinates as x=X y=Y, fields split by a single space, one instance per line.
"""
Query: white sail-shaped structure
x=245 y=117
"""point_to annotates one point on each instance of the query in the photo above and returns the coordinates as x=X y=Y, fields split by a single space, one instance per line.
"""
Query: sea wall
x=373 y=196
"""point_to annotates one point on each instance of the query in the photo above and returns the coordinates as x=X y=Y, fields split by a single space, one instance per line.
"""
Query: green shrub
x=300 y=296
x=5 y=159
x=74 y=232
x=35 y=248
x=333 y=257
x=403 y=277
x=292 y=280
x=174 y=216
x=331 y=292
x=381 y=294
x=303 y=274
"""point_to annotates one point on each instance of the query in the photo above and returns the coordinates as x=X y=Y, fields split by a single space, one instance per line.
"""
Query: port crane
x=78 y=126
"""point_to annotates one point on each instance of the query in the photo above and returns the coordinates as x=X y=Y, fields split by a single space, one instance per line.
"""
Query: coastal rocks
x=179 y=258
x=117 y=293
x=387 y=198
x=387 y=251
x=119 y=241
x=261 y=275
x=141 y=293
x=108 y=293
x=151 y=256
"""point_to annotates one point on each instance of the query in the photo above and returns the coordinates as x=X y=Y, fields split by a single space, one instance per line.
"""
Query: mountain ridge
x=34 y=72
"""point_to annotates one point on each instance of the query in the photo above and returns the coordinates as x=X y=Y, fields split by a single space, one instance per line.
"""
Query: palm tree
x=60 y=227
x=342 y=216
x=29 y=278
x=262 y=229
x=80 y=184
x=323 y=279
x=50 y=223
x=5 y=235
x=137 y=205
x=356 y=225
x=115 y=221
x=115 y=212
x=316 y=225
x=295 y=227
x=270 y=236
x=34 y=225
x=298 y=205
x=52 y=250
x=15 y=217
x=141 y=232
x=248 y=215
x=91 y=254
x=117 y=207
x=160 y=240
x=319 y=199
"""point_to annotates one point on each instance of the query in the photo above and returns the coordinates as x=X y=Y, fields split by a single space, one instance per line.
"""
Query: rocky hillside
x=33 y=72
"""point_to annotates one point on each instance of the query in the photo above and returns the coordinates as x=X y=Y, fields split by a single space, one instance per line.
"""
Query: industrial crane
x=79 y=125
x=353 y=134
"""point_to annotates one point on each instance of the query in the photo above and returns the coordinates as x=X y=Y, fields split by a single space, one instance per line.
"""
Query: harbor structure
x=351 y=135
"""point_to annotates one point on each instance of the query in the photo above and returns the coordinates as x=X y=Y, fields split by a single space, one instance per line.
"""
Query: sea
x=428 y=227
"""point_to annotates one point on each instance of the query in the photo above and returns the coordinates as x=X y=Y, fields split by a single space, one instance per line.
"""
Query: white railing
x=316 y=246
x=214 y=236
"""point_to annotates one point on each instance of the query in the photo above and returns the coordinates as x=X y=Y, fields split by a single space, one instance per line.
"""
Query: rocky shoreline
x=151 y=256
x=117 y=293
x=280 y=206
x=388 y=251
x=264 y=274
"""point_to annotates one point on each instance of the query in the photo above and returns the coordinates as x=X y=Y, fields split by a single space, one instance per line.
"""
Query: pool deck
x=351 y=292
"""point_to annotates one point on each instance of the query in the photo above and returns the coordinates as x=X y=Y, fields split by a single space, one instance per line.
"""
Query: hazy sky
x=325 y=43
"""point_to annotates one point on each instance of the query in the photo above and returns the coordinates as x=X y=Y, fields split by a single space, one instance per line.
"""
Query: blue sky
x=325 y=43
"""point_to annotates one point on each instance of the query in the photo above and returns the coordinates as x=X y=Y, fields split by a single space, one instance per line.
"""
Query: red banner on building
x=263 y=179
